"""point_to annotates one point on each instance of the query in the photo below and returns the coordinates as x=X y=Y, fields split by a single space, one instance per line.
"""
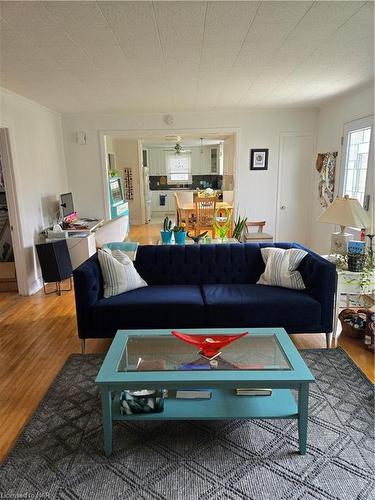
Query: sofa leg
x=328 y=339
x=83 y=345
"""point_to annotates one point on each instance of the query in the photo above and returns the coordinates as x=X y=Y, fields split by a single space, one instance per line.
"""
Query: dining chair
x=184 y=199
x=205 y=211
x=259 y=235
x=178 y=208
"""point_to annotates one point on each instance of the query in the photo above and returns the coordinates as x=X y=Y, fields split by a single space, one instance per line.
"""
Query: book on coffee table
x=250 y=391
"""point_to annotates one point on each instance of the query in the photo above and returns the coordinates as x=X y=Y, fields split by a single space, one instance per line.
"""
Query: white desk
x=85 y=224
x=81 y=240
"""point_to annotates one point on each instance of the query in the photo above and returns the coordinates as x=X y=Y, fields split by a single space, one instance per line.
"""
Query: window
x=179 y=168
x=356 y=163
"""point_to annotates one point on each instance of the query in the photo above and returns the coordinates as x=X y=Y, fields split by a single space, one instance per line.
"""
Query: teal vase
x=166 y=237
x=180 y=237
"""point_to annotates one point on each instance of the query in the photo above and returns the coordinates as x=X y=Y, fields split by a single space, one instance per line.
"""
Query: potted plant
x=180 y=233
x=166 y=232
x=239 y=226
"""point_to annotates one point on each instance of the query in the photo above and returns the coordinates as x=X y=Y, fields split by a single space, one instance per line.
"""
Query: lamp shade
x=346 y=212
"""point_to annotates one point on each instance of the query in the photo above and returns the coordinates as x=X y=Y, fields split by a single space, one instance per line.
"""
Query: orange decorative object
x=209 y=346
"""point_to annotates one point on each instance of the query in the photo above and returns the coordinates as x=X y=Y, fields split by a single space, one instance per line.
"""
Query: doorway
x=12 y=268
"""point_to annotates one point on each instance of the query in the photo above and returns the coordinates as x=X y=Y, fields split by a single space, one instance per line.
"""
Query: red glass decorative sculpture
x=209 y=345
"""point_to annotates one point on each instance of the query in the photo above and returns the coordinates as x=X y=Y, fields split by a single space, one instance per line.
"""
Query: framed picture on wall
x=258 y=159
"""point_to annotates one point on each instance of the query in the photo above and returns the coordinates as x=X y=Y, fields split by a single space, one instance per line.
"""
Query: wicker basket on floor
x=353 y=322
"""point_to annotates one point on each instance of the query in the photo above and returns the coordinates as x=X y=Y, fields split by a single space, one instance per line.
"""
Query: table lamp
x=346 y=212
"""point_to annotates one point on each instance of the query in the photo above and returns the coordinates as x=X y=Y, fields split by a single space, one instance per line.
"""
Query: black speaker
x=54 y=261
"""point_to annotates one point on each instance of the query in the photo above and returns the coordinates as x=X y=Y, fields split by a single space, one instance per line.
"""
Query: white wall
x=331 y=120
x=39 y=172
x=256 y=191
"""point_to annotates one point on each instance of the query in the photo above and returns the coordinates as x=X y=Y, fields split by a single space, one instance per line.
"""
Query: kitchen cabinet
x=214 y=160
x=145 y=157
x=157 y=163
x=169 y=206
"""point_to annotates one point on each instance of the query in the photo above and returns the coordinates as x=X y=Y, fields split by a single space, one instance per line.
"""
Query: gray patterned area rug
x=59 y=455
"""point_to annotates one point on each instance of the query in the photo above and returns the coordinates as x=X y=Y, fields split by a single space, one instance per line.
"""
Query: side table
x=349 y=283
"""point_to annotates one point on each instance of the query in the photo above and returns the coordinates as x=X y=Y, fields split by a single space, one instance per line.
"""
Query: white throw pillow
x=281 y=267
x=119 y=273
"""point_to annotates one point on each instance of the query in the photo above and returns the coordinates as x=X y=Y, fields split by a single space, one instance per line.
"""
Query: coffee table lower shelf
x=224 y=404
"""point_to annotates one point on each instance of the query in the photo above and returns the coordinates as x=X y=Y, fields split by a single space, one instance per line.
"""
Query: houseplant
x=166 y=232
x=239 y=226
x=179 y=233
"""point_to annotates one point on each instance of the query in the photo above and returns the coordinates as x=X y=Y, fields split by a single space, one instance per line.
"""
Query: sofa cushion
x=237 y=305
x=173 y=306
x=199 y=264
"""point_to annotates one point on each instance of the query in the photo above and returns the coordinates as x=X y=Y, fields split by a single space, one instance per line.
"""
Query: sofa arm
x=88 y=289
x=320 y=278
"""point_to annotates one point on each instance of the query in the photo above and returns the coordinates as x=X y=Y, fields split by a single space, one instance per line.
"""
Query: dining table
x=188 y=211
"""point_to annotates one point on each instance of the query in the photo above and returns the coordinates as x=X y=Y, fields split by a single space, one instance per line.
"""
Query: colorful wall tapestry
x=326 y=166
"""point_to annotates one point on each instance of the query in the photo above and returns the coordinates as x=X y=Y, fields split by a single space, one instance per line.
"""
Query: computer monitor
x=67 y=204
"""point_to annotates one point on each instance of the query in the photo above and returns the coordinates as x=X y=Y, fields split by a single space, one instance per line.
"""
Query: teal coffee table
x=265 y=358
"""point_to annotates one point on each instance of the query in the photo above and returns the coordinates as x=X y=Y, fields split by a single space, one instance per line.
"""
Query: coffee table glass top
x=167 y=353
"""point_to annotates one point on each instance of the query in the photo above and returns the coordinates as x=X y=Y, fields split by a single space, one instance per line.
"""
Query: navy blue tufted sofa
x=196 y=286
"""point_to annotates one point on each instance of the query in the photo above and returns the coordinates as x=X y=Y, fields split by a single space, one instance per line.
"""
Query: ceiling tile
x=268 y=31
x=144 y=52
x=180 y=13
x=22 y=17
x=182 y=50
x=231 y=33
x=49 y=37
x=134 y=33
x=217 y=49
x=76 y=60
x=100 y=35
x=11 y=39
x=21 y=62
x=124 y=14
x=4 y=26
x=170 y=35
x=104 y=51
x=223 y=13
x=68 y=14
x=336 y=12
x=282 y=12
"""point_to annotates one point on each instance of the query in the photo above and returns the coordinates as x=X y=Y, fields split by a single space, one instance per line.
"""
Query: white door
x=293 y=213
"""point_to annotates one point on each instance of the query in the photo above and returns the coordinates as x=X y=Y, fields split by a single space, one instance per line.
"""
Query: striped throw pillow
x=281 y=268
x=119 y=273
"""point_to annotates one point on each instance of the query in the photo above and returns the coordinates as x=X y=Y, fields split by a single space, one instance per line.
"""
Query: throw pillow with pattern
x=119 y=273
x=281 y=267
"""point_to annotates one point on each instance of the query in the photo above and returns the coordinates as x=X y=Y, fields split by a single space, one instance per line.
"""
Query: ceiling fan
x=178 y=149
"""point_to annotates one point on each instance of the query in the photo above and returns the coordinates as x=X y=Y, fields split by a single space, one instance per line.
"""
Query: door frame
x=142 y=134
x=282 y=135
x=13 y=210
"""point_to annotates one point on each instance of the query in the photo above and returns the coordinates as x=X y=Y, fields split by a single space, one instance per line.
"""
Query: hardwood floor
x=38 y=333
